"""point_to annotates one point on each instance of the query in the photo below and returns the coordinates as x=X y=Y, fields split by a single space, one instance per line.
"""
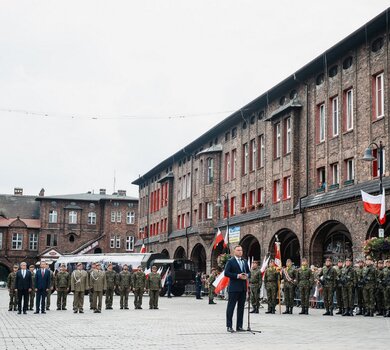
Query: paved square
x=184 y=323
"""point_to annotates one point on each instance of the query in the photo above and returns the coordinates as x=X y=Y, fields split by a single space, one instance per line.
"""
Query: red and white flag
x=278 y=256
x=219 y=239
x=221 y=282
x=164 y=278
x=147 y=272
x=143 y=249
x=264 y=266
x=375 y=205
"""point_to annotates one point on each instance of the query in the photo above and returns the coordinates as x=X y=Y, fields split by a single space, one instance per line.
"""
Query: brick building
x=287 y=164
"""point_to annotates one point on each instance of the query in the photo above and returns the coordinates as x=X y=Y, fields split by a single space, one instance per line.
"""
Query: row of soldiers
x=96 y=282
x=370 y=284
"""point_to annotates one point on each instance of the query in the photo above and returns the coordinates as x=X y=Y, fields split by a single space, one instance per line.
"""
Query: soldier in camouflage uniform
x=369 y=282
x=288 y=275
x=62 y=285
x=139 y=281
x=328 y=277
x=386 y=286
x=153 y=284
x=304 y=281
x=339 y=287
x=379 y=292
x=111 y=278
x=211 y=287
x=13 y=295
x=79 y=284
x=31 y=294
x=98 y=283
x=271 y=277
x=51 y=290
x=348 y=280
x=124 y=285
x=359 y=287
x=255 y=282
x=90 y=294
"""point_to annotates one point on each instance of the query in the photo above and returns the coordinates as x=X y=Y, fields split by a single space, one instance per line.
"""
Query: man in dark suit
x=237 y=270
x=42 y=285
x=23 y=285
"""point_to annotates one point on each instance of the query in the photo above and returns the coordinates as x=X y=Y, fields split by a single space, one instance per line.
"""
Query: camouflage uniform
x=139 y=281
x=339 y=290
x=31 y=294
x=13 y=295
x=348 y=280
x=255 y=282
x=359 y=290
x=271 y=284
x=125 y=284
x=153 y=284
x=111 y=279
x=369 y=281
x=328 y=277
x=379 y=292
x=62 y=285
x=51 y=290
x=289 y=275
x=79 y=284
x=98 y=283
x=90 y=294
x=211 y=289
x=305 y=281
x=386 y=286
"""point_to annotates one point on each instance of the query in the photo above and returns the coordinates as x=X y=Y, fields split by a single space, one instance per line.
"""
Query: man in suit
x=42 y=286
x=237 y=270
x=23 y=285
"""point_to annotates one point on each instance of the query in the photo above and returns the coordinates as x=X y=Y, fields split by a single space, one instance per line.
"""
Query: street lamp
x=368 y=156
x=219 y=205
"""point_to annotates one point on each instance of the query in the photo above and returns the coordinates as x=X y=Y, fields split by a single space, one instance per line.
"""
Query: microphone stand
x=249 y=329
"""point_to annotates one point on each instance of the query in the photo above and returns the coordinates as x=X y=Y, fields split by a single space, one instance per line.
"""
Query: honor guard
x=153 y=284
x=359 y=287
x=79 y=283
x=289 y=276
x=90 y=295
x=98 y=283
x=271 y=276
x=339 y=287
x=255 y=285
x=369 y=284
x=348 y=281
x=379 y=293
x=304 y=281
x=124 y=285
x=62 y=285
x=111 y=279
x=13 y=297
x=139 y=281
x=386 y=286
x=328 y=277
x=211 y=287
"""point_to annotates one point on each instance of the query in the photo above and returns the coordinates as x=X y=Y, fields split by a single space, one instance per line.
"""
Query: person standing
x=42 y=286
x=271 y=277
x=51 y=289
x=304 y=281
x=288 y=275
x=339 y=287
x=153 y=284
x=386 y=287
x=369 y=280
x=111 y=279
x=169 y=283
x=348 y=278
x=198 y=285
x=237 y=270
x=139 y=281
x=23 y=285
x=124 y=285
x=79 y=283
x=62 y=285
x=98 y=284
x=90 y=294
x=328 y=279
x=359 y=287
x=31 y=296
x=211 y=287
x=379 y=292
x=13 y=296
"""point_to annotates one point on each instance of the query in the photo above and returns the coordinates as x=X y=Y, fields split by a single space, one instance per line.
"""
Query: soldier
x=31 y=294
x=139 y=280
x=13 y=297
x=386 y=286
x=348 y=280
x=304 y=281
x=255 y=282
x=153 y=284
x=271 y=284
x=51 y=289
x=369 y=282
x=339 y=287
x=328 y=280
x=124 y=284
x=379 y=292
x=98 y=283
x=359 y=286
x=90 y=295
x=288 y=274
x=211 y=287
x=111 y=279
x=62 y=285
x=79 y=284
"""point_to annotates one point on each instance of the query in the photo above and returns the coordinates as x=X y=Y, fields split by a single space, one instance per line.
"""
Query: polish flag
x=143 y=249
x=264 y=266
x=147 y=272
x=221 y=282
x=375 y=205
x=164 y=278
x=278 y=257
x=219 y=239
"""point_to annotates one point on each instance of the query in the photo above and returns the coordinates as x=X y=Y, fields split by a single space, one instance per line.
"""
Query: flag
x=375 y=205
x=221 y=282
x=250 y=261
x=264 y=266
x=219 y=239
x=278 y=257
x=164 y=278
x=143 y=249
x=147 y=271
x=160 y=270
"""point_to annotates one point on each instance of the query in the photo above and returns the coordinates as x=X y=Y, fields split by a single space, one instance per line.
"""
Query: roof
x=91 y=197
x=25 y=207
x=315 y=66
x=30 y=223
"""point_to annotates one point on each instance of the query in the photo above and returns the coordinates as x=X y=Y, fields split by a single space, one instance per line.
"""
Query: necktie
x=43 y=272
x=240 y=263
x=24 y=274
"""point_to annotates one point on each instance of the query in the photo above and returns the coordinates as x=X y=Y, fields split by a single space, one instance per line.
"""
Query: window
x=225 y=208
x=210 y=171
x=234 y=133
x=287 y=135
x=17 y=241
x=33 y=241
x=118 y=216
x=287 y=187
x=260 y=195
x=375 y=163
x=348 y=111
x=209 y=210
x=51 y=240
x=52 y=216
x=335 y=173
x=196 y=184
x=245 y=156
x=277 y=191
x=252 y=198
x=349 y=170
x=227 y=136
x=179 y=189
x=188 y=185
x=73 y=217
x=378 y=96
x=91 y=218
x=1 y=240
x=232 y=206
x=227 y=166
x=244 y=201
x=252 y=155
x=321 y=123
x=130 y=217
x=261 y=151
x=277 y=140
x=118 y=242
x=234 y=163
x=335 y=116
x=200 y=212
x=321 y=178
x=129 y=243
x=112 y=242
x=113 y=216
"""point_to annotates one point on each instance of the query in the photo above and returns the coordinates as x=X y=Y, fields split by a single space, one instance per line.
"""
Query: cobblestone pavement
x=184 y=323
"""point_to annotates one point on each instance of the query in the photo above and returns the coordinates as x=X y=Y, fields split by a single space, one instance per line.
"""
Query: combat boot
x=360 y=312
x=340 y=312
x=331 y=312
x=346 y=312
x=302 y=311
x=388 y=313
x=273 y=310
x=380 y=313
x=351 y=312
x=269 y=310
x=257 y=310
x=291 y=311
x=306 y=310
x=327 y=313
x=367 y=313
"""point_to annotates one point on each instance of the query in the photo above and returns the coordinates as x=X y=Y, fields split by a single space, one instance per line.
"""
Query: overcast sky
x=104 y=82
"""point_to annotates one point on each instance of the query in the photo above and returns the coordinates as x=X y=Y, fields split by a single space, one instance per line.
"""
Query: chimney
x=122 y=192
x=102 y=191
x=18 y=191
x=42 y=192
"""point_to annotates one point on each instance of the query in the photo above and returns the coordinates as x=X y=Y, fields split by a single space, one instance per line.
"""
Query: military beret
x=340 y=260
x=63 y=265
x=348 y=259
x=328 y=259
x=380 y=261
x=16 y=266
x=368 y=257
x=79 y=263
